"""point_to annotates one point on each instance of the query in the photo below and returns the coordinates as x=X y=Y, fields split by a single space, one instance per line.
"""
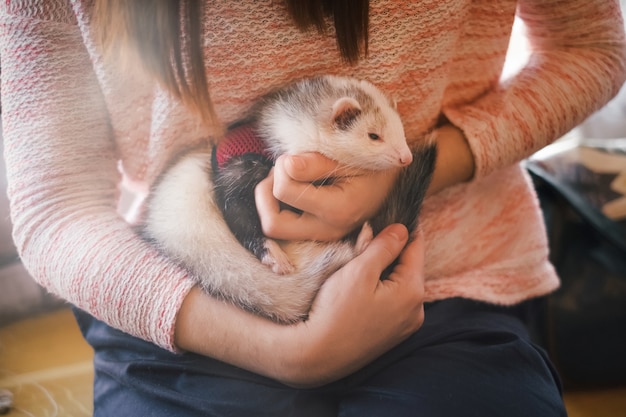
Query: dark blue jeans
x=468 y=359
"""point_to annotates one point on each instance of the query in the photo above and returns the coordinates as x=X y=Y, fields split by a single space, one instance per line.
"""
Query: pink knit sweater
x=75 y=127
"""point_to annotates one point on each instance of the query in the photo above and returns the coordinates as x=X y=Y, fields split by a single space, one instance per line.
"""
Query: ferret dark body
x=234 y=193
x=196 y=214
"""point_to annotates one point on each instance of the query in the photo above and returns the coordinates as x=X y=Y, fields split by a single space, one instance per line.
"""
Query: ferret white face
x=365 y=131
x=345 y=119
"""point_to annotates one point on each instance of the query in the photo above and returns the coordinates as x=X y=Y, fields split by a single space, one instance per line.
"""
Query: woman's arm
x=63 y=179
x=577 y=64
x=332 y=211
x=355 y=318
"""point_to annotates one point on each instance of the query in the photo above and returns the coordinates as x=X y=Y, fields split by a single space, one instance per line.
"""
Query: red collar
x=239 y=141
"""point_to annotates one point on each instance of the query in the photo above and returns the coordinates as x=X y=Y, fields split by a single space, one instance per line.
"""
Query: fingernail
x=398 y=232
x=297 y=162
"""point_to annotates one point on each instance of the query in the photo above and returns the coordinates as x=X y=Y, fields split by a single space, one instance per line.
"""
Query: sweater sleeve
x=577 y=64
x=63 y=177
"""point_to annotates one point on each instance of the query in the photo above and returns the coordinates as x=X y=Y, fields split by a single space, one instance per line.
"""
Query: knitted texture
x=239 y=141
x=74 y=126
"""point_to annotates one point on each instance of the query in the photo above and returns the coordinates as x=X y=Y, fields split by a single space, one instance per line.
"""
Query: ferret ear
x=345 y=111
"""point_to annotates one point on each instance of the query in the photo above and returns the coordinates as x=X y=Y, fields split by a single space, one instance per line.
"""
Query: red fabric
x=237 y=142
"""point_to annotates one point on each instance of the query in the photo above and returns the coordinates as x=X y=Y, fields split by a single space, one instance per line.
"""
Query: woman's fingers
x=355 y=316
x=313 y=167
x=328 y=210
x=384 y=249
x=297 y=182
x=285 y=224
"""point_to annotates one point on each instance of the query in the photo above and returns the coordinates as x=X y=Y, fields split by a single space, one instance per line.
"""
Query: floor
x=47 y=365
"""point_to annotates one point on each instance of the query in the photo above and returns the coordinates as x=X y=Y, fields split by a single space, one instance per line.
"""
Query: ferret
x=345 y=119
x=201 y=211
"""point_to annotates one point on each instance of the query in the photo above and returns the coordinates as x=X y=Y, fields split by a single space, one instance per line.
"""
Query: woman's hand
x=355 y=318
x=329 y=211
x=455 y=161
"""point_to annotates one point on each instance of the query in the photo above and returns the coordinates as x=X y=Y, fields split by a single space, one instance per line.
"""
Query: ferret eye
x=374 y=136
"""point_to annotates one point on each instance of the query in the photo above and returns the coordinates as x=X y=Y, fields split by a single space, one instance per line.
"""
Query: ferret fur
x=345 y=119
x=185 y=221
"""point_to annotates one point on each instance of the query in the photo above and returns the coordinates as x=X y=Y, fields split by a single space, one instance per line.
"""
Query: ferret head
x=363 y=129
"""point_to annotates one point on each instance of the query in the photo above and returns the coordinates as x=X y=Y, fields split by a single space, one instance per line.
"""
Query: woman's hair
x=165 y=35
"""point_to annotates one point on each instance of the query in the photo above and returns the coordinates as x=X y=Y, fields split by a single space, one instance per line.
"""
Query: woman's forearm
x=455 y=162
x=354 y=319
x=577 y=64
x=211 y=327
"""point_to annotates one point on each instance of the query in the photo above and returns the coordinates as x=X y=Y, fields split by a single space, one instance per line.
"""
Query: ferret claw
x=276 y=259
x=365 y=237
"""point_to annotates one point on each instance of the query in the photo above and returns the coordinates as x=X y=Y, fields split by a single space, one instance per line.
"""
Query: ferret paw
x=276 y=258
x=365 y=237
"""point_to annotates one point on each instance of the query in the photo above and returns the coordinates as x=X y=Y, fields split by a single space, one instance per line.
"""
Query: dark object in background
x=6 y=401
x=583 y=324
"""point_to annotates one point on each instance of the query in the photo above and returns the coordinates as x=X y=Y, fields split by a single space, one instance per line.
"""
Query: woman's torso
x=484 y=238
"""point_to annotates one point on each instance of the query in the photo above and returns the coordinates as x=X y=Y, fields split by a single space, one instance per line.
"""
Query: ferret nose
x=406 y=158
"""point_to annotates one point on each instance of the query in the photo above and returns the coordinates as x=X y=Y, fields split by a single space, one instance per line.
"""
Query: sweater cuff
x=478 y=127
x=164 y=332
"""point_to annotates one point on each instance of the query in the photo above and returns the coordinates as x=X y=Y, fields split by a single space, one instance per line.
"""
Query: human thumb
x=307 y=167
x=385 y=247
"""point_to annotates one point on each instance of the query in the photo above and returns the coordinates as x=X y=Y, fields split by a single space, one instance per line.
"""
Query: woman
x=77 y=121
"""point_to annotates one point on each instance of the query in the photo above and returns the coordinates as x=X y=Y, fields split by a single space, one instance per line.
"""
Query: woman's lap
x=468 y=358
